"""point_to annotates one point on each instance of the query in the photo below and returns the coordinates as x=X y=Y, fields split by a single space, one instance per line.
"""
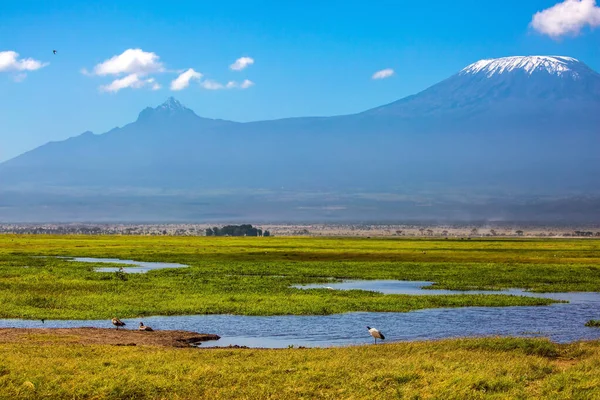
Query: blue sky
x=310 y=57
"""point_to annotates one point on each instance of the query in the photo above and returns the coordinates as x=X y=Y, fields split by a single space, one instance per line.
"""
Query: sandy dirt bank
x=85 y=336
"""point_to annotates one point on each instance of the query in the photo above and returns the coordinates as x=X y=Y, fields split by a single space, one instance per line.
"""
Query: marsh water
x=562 y=322
x=417 y=288
x=139 y=267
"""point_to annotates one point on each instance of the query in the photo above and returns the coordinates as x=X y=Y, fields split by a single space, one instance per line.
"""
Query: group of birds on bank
x=117 y=322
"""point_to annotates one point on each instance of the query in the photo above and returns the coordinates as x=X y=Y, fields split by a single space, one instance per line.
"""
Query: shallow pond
x=559 y=322
x=421 y=288
x=140 y=267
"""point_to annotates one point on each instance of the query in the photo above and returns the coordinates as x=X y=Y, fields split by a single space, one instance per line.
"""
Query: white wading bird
x=376 y=334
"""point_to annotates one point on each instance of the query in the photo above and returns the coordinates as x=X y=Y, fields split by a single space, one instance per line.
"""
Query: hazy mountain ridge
x=516 y=125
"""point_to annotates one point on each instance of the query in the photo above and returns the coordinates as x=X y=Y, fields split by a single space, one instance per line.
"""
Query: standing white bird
x=117 y=322
x=376 y=334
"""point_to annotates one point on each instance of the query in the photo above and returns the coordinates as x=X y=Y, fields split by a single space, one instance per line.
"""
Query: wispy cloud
x=383 y=74
x=20 y=77
x=241 y=63
x=246 y=84
x=10 y=62
x=567 y=18
x=183 y=80
x=210 y=84
x=132 y=81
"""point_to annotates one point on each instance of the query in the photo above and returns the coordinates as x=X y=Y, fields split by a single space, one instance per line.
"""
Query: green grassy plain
x=252 y=276
x=506 y=368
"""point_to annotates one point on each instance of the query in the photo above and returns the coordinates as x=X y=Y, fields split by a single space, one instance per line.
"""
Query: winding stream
x=562 y=322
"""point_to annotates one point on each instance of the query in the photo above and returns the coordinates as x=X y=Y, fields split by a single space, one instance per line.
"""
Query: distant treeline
x=585 y=234
x=236 y=230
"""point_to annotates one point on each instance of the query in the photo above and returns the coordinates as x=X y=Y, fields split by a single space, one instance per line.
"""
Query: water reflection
x=140 y=266
x=421 y=288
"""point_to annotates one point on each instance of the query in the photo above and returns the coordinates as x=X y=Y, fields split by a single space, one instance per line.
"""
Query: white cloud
x=211 y=85
x=133 y=69
x=384 y=73
x=246 y=84
x=135 y=64
x=568 y=17
x=130 y=81
x=131 y=61
x=183 y=80
x=241 y=63
x=155 y=85
x=10 y=62
x=214 y=85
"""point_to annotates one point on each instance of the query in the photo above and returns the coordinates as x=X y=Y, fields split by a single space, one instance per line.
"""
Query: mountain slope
x=133 y=153
x=518 y=88
x=516 y=124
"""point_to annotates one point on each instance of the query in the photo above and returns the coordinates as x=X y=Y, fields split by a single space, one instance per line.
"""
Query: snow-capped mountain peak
x=171 y=104
x=555 y=65
x=170 y=108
